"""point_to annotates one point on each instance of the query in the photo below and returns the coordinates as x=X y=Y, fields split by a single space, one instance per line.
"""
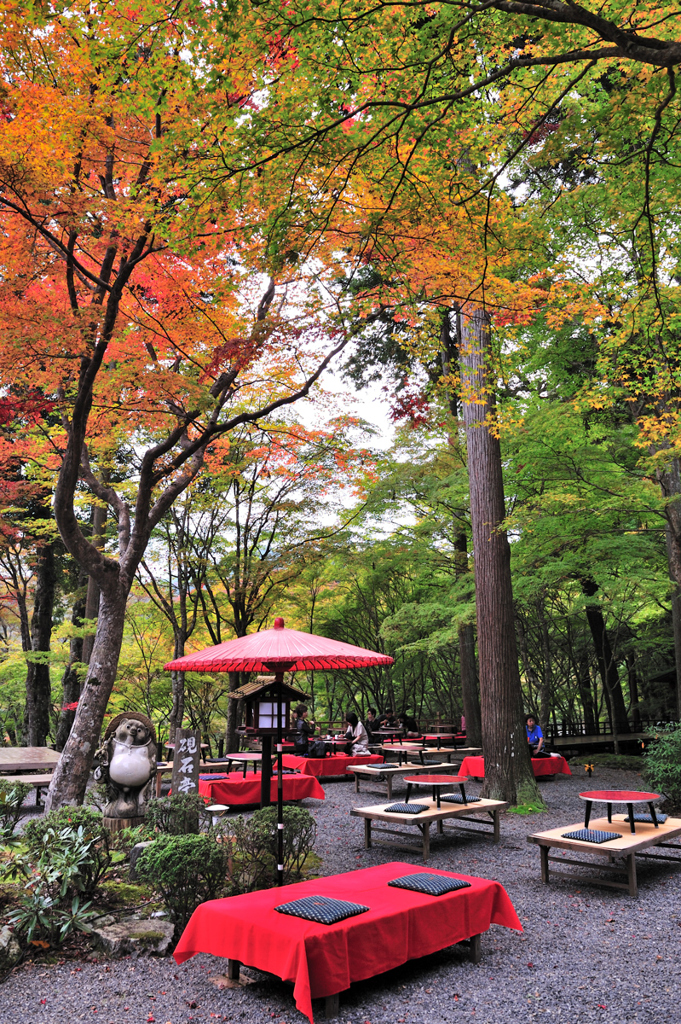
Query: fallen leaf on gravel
x=530 y=964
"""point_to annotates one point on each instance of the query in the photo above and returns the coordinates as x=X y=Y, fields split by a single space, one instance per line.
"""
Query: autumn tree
x=125 y=301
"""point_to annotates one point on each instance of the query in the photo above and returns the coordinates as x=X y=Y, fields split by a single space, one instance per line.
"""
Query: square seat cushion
x=406 y=808
x=647 y=819
x=321 y=909
x=456 y=798
x=213 y=777
x=432 y=885
x=591 y=835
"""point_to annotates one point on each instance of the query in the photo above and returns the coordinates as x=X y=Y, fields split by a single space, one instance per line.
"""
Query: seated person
x=304 y=730
x=387 y=720
x=409 y=724
x=535 y=737
x=370 y=724
x=358 y=741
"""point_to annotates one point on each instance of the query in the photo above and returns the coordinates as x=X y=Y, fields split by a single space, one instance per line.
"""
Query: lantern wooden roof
x=252 y=690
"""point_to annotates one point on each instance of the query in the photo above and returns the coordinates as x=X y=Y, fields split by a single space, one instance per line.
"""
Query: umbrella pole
x=280 y=785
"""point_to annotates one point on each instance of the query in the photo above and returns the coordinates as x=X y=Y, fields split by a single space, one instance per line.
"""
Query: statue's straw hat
x=130 y=715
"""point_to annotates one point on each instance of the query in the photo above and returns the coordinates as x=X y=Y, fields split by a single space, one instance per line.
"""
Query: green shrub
x=176 y=815
x=662 y=763
x=186 y=870
x=49 y=837
x=254 y=847
x=60 y=867
x=12 y=796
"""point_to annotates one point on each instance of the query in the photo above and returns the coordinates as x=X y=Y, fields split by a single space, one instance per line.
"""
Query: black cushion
x=432 y=885
x=213 y=777
x=407 y=808
x=456 y=798
x=591 y=835
x=648 y=818
x=322 y=909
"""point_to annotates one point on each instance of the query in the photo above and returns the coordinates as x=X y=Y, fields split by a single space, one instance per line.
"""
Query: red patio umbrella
x=278 y=650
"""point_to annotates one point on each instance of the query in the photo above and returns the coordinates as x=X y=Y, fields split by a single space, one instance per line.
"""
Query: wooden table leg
x=390 y=787
x=632 y=823
x=544 y=857
x=587 y=814
x=332 y=1006
x=425 y=827
x=440 y=828
x=475 y=949
x=356 y=782
x=631 y=875
x=497 y=827
x=233 y=968
x=653 y=815
x=367 y=833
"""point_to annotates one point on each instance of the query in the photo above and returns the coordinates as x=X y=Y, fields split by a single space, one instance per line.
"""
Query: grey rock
x=137 y=850
x=134 y=937
x=10 y=951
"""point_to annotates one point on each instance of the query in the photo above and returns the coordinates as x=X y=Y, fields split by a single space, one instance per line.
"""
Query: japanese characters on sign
x=185 y=778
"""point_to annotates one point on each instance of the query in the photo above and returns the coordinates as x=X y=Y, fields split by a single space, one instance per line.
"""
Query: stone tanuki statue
x=127 y=766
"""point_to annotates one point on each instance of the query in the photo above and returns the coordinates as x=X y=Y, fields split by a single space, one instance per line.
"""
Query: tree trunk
x=508 y=770
x=632 y=676
x=92 y=598
x=670 y=484
x=607 y=666
x=469 y=679
x=71 y=775
x=546 y=687
x=231 y=738
x=177 y=711
x=70 y=682
x=586 y=696
x=38 y=688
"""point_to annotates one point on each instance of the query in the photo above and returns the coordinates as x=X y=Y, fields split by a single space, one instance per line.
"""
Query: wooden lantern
x=268 y=705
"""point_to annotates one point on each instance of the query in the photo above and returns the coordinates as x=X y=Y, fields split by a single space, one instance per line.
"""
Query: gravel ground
x=587 y=953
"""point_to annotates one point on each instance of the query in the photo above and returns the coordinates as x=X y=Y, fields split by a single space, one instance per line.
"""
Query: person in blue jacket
x=535 y=737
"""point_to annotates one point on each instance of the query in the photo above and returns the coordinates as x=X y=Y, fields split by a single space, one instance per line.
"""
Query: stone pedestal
x=116 y=824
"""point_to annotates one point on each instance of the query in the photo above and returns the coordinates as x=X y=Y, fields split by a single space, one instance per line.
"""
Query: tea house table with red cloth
x=553 y=765
x=334 y=764
x=235 y=788
x=323 y=960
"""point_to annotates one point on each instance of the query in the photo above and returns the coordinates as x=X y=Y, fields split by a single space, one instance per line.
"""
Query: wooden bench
x=619 y=855
x=473 y=812
x=388 y=772
x=40 y=782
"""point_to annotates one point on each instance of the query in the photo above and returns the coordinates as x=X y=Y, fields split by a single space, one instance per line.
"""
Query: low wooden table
x=624 y=849
x=458 y=754
x=40 y=782
x=423 y=821
x=388 y=772
x=28 y=759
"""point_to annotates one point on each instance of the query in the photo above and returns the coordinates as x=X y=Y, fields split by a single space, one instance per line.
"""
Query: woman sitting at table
x=535 y=737
x=358 y=741
x=409 y=725
x=304 y=730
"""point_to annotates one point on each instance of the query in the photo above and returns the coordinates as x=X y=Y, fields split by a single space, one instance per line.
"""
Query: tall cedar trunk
x=586 y=696
x=632 y=675
x=670 y=484
x=38 y=689
x=508 y=770
x=70 y=682
x=70 y=777
x=177 y=684
x=231 y=738
x=469 y=679
x=607 y=666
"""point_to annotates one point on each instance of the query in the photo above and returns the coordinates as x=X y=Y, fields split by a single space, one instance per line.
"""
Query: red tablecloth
x=475 y=766
x=324 y=959
x=236 y=789
x=334 y=764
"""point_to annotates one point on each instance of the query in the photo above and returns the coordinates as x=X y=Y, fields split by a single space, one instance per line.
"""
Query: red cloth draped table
x=334 y=764
x=322 y=960
x=554 y=765
x=235 y=788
